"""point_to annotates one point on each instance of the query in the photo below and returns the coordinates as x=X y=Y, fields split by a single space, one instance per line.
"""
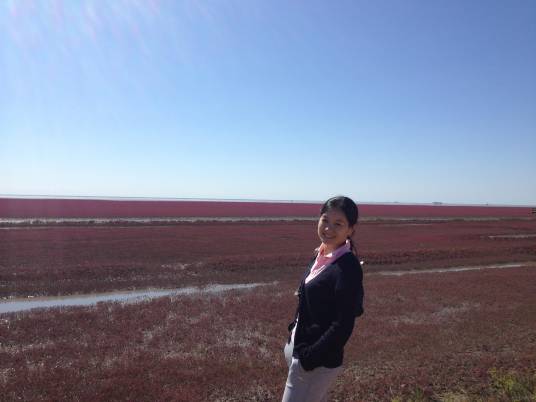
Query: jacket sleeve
x=348 y=305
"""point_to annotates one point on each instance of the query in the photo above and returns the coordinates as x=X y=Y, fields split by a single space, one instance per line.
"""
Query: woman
x=330 y=298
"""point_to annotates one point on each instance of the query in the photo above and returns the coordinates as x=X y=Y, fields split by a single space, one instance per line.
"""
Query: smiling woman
x=330 y=298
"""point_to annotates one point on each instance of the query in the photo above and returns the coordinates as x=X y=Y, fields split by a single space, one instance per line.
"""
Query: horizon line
x=129 y=198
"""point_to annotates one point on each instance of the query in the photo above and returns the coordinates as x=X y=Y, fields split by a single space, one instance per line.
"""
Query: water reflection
x=133 y=296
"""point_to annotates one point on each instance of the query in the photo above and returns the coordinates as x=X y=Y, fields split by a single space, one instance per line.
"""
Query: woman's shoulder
x=348 y=260
x=348 y=264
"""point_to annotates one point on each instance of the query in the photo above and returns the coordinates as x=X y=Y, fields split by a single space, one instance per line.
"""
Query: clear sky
x=408 y=101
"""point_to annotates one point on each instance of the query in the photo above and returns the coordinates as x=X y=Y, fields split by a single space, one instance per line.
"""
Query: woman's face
x=334 y=229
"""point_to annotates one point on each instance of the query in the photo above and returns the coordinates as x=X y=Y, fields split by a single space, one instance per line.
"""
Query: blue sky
x=408 y=101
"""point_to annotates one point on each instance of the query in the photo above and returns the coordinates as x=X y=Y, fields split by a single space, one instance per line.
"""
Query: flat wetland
x=442 y=333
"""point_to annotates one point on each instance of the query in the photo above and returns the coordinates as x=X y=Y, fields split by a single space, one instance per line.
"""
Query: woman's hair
x=348 y=207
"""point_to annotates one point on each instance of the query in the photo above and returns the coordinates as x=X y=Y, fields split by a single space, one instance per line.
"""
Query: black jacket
x=327 y=308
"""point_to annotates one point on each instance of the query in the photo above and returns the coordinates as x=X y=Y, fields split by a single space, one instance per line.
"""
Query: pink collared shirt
x=322 y=261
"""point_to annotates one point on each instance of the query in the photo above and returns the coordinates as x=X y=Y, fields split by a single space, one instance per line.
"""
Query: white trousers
x=306 y=386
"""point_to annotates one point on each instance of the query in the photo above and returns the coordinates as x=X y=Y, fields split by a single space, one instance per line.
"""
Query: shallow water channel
x=456 y=269
x=19 y=304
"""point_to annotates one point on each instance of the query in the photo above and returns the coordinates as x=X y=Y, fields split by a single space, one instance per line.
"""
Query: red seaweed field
x=58 y=260
x=125 y=207
x=427 y=334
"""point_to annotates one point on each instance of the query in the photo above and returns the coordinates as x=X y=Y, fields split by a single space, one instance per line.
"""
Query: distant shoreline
x=246 y=200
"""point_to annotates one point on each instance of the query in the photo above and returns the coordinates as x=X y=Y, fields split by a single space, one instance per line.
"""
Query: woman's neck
x=327 y=249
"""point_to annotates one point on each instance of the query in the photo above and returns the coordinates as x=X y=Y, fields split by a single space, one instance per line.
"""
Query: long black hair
x=348 y=207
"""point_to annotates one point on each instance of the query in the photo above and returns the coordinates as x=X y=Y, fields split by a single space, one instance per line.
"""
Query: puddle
x=513 y=236
x=15 y=305
x=454 y=269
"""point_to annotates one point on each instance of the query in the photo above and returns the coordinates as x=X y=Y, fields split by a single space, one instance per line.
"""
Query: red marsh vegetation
x=459 y=336
x=125 y=207
x=60 y=260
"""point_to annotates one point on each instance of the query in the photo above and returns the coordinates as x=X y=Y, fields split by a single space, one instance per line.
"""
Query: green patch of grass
x=513 y=386
x=504 y=385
